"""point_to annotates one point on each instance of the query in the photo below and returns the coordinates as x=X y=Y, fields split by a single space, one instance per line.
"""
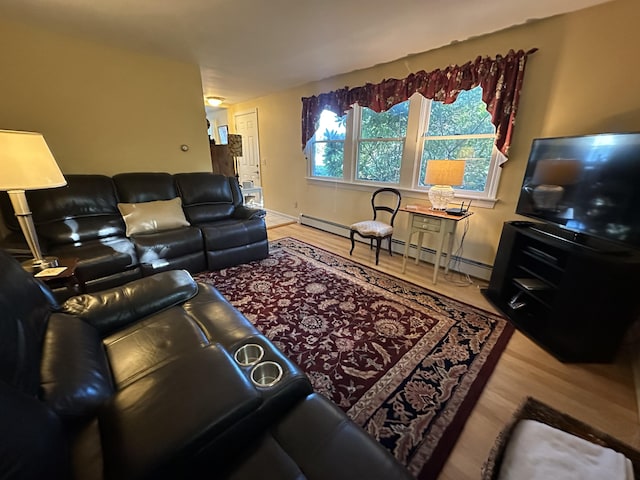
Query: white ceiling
x=249 y=48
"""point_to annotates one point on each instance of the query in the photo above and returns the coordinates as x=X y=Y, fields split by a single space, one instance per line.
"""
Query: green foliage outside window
x=382 y=142
x=462 y=130
x=467 y=116
x=328 y=155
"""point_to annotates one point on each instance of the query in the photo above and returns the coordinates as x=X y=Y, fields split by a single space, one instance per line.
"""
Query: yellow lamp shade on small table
x=441 y=174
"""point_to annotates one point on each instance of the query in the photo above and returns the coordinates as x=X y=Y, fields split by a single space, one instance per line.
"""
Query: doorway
x=246 y=124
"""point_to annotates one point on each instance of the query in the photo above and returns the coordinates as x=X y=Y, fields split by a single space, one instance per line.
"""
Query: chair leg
x=371 y=244
x=390 y=254
x=352 y=241
x=378 y=243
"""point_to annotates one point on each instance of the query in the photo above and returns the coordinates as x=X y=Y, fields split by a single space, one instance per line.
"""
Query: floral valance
x=500 y=78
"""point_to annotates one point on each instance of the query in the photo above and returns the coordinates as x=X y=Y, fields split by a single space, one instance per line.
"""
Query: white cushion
x=537 y=451
x=372 y=228
x=149 y=217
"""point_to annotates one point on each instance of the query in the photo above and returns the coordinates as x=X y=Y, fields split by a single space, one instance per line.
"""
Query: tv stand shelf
x=574 y=300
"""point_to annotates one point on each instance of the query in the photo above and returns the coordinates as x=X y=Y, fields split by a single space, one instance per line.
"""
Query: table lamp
x=26 y=163
x=441 y=174
x=235 y=150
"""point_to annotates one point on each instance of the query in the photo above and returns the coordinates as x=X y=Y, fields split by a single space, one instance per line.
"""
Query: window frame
x=418 y=121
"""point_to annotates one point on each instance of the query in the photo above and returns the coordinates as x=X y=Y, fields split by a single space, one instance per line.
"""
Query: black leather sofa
x=140 y=382
x=82 y=220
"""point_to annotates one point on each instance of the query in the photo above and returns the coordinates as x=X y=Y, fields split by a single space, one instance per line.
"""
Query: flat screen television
x=588 y=185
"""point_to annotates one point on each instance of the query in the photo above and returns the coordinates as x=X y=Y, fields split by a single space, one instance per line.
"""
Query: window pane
x=476 y=151
x=389 y=124
x=328 y=159
x=328 y=147
x=379 y=161
x=466 y=116
x=331 y=127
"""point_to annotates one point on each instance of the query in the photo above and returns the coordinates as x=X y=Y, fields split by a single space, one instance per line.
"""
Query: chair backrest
x=393 y=210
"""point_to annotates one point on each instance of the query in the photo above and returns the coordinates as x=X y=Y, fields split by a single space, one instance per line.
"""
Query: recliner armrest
x=114 y=308
x=153 y=428
x=245 y=213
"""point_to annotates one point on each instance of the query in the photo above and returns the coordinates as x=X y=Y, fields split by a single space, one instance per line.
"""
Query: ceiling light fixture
x=215 y=101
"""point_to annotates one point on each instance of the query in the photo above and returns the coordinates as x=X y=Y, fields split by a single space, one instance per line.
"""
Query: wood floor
x=601 y=395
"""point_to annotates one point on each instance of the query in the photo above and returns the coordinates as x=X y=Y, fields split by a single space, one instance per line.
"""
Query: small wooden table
x=423 y=219
x=66 y=278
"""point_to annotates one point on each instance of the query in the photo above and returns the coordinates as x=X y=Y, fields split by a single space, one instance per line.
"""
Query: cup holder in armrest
x=249 y=354
x=266 y=374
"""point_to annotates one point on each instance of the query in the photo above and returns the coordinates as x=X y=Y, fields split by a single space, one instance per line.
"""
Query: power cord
x=454 y=262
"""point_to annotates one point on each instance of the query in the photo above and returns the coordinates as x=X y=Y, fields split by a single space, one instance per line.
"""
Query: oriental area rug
x=405 y=363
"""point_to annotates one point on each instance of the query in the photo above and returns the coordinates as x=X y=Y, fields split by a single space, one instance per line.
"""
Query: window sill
x=477 y=201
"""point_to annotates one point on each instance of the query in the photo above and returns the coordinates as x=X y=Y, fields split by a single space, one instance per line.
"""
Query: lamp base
x=440 y=196
x=35 y=265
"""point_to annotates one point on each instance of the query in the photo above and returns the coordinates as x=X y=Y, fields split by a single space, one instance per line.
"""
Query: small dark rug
x=404 y=362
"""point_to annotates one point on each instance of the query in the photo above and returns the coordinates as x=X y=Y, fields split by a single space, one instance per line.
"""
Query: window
x=381 y=143
x=328 y=146
x=460 y=131
x=394 y=147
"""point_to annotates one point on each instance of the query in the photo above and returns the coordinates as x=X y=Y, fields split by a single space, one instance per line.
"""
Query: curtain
x=500 y=78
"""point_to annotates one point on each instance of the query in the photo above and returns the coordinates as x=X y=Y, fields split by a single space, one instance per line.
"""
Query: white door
x=249 y=162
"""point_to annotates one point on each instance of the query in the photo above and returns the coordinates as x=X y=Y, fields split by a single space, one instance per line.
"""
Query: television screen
x=587 y=184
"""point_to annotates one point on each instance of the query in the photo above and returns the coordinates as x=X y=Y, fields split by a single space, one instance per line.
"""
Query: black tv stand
x=580 y=240
x=574 y=299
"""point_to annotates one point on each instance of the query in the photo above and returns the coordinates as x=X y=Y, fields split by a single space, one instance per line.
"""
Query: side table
x=65 y=279
x=425 y=220
x=252 y=196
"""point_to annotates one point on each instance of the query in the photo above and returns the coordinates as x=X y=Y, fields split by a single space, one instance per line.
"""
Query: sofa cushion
x=315 y=439
x=180 y=248
x=100 y=257
x=207 y=197
x=83 y=210
x=226 y=234
x=75 y=376
x=139 y=187
x=168 y=244
x=154 y=216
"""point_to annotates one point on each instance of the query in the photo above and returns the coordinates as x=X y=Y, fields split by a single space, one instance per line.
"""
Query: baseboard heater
x=461 y=264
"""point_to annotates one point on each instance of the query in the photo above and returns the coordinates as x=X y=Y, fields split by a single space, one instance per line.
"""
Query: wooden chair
x=376 y=229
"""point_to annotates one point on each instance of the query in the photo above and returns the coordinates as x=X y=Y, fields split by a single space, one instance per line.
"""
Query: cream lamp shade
x=26 y=163
x=441 y=174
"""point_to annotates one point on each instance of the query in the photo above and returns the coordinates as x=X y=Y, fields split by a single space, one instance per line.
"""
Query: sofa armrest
x=245 y=213
x=155 y=426
x=112 y=309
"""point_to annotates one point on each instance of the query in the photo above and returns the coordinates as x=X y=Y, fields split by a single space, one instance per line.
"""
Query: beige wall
x=582 y=80
x=102 y=110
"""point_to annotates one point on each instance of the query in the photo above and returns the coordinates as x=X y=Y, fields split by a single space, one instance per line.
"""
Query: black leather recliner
x=82 y=220
x=140 y=382
x=230 y=230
